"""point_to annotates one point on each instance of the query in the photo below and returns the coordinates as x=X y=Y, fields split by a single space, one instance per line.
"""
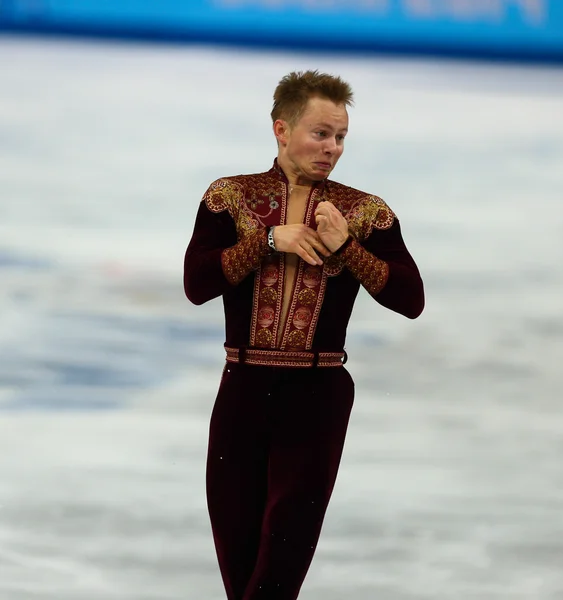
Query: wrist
x=344 y=245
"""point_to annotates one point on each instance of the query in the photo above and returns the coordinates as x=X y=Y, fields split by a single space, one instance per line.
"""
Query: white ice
x=451 y=485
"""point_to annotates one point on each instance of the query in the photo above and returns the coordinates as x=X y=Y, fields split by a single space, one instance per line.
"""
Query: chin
x=321 y=173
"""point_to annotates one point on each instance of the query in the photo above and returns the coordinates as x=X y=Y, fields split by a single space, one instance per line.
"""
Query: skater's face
x=311 y=147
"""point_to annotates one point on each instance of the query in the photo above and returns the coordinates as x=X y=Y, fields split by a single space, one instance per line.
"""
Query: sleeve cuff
x=345 y=245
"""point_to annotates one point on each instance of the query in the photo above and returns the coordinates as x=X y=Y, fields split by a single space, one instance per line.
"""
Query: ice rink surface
x=451 y=485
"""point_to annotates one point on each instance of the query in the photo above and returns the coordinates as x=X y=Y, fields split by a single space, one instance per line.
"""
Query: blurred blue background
x=451 y=483
x=531 y=29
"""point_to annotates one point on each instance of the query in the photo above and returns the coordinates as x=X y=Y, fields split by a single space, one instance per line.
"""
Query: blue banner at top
x=496 y=28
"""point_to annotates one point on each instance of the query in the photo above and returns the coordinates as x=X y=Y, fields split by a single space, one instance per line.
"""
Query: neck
x=293 y=176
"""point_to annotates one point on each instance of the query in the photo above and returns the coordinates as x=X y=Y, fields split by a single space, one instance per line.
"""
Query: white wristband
x=271 y=242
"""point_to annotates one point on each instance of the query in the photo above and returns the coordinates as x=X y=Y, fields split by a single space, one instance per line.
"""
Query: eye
x=321 y=133
x=340 y=138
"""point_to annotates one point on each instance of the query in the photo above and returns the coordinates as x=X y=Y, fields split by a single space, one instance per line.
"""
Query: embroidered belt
x=283 y=358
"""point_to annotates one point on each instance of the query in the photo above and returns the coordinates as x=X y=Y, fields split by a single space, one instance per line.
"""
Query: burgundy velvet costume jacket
x=229 y=256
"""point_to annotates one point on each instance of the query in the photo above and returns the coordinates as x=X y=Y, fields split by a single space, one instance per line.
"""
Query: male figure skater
x=288 y=250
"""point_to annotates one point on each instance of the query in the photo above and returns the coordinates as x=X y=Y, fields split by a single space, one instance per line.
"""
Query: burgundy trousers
x=275 y=443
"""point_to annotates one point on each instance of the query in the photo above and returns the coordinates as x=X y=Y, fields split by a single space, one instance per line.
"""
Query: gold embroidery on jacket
x=269 y=281
x=229 y=194
x=364 y=213
x=370 y=213
x=257 y=201
x=246 y=256
x=370 y=271
x=225 y=194
x=307 y=296
x=268 y=294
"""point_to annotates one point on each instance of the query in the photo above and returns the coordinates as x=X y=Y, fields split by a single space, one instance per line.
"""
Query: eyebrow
x=327 y=126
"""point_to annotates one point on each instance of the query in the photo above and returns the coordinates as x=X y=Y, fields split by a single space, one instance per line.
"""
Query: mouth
x=324 y=166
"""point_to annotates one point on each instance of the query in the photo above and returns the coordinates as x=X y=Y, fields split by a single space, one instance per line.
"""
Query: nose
x=330 y=145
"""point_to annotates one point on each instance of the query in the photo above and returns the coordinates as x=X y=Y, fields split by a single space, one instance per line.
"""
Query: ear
x=281 y=131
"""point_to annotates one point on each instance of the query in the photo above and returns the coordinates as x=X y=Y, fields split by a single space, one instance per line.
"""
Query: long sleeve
x=215 y=259
x=384 y=266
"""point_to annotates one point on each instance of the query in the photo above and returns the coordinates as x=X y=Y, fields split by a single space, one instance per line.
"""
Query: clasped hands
x=331 y=233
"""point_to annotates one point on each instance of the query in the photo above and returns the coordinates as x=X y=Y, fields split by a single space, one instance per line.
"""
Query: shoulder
x=363 y=211
x=227 y=193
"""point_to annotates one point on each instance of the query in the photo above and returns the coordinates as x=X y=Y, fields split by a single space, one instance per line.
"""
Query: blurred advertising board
x=530 y=29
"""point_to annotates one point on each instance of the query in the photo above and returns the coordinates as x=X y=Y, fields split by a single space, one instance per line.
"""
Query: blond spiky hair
x=294 y=91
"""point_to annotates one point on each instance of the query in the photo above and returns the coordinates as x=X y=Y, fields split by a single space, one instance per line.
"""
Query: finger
x=332 y=218
x=306 y=257
x=331 y=208
x=331 y=212
x=310 y=253
x=319 y=246
x=326 y=206
x=321 y=219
